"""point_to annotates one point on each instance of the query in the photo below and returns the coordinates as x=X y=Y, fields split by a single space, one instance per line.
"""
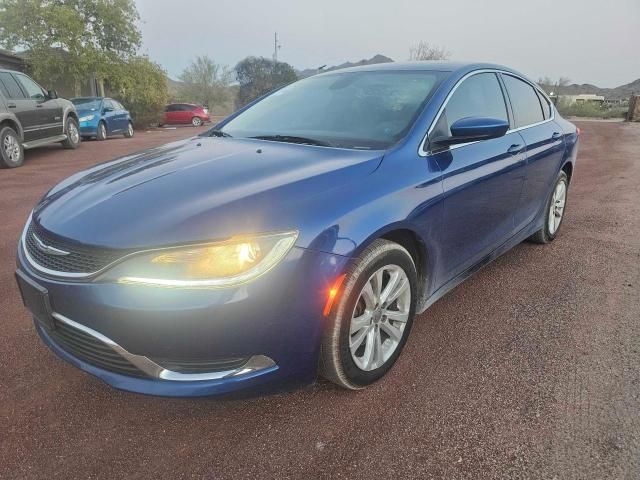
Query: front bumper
x=89 y=128
x=275 y=322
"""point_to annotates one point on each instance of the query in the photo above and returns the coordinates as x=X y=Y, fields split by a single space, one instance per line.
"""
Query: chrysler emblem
x=49 y=250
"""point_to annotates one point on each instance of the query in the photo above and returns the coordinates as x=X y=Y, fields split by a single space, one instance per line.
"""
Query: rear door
x=120 y=116
x=482 y=181
x=110 y=116
x=22 y=107
x=545 y=145
x=48 y=111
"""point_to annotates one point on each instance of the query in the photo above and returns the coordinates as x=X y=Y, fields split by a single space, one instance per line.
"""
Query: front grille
x=91 y=350
x=81 y=259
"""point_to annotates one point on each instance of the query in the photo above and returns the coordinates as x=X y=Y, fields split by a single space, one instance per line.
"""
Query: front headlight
x=216 y=265
x=87 y=118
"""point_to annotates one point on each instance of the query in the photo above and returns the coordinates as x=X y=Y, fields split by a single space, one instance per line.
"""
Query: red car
x=185 y=113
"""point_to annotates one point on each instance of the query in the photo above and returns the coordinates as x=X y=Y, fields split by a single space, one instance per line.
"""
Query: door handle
x=516 y=148
x=39 y=105
x=11 y=105
x=556 y=135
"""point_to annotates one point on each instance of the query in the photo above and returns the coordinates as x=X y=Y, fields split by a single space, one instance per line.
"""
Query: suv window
x=478 y=96
x=33 y=90
x=524 y=100
x=11 y=88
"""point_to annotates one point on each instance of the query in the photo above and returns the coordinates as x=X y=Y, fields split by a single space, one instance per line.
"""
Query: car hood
x=86 y=111
x=200 y=189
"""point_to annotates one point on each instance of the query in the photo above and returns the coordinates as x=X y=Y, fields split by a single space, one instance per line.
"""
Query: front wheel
x=196 y=121
x=372 y=319
x=102 y=132
x=73 y=134
x=554 y=211
x=129 y=131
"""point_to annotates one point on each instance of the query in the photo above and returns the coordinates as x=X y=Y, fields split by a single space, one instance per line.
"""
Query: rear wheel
x=554 y=211
x=73 y=134
x=11 y=151
x=102 y=131
x=372 y=320
x=129 y=131
x=196 y=121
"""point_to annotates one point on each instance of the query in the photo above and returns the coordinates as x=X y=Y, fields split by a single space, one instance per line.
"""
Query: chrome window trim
x=255 y=364
x=423 y=152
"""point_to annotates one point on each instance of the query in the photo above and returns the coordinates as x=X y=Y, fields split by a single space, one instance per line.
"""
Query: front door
x=48 y=110
x=482 y=181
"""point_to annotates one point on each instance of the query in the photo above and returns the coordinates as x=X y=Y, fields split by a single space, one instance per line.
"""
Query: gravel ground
x=530 y=369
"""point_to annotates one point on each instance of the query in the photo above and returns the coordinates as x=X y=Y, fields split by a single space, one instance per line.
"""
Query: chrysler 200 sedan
x=300 y=236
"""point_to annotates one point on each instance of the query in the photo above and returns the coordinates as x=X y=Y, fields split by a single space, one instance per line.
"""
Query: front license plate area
x=36 y=299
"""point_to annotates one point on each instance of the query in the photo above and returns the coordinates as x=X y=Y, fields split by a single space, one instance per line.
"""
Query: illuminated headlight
x=87 y=118
x=216 y=265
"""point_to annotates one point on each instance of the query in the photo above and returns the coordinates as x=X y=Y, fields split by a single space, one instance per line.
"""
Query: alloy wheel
x=12 y=148
x=197 y=121
x=556 y=210
x=379 y=317
x=73 y=133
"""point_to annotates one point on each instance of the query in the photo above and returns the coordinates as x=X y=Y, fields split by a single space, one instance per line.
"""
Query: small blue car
x=102 y=117
x=300 y=236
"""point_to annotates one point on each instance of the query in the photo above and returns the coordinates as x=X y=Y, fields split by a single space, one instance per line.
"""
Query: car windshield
x=360 y=110
x=86 y=103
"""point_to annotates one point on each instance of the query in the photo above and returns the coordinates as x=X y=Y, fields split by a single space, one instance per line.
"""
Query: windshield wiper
x=217 y=133
x=293 y=139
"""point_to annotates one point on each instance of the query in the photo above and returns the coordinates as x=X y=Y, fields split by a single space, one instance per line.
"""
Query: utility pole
x=276 y=47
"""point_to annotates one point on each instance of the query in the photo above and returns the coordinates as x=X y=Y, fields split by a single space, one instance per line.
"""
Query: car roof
x=436 y=66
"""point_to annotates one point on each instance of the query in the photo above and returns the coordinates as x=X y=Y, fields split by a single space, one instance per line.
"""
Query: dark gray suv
x=31 y=116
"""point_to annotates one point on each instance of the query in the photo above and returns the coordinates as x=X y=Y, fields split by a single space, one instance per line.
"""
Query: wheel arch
x=568 y=169
x=11 y=121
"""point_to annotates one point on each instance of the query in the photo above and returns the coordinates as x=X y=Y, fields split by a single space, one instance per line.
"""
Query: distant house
x=582 y=98
x=11 y=61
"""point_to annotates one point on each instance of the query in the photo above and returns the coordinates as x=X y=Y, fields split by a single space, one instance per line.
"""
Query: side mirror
x=107 y=110
x=473 y=129
x=52 y=94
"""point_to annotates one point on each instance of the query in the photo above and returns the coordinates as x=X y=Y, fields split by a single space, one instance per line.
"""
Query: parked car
x=180 y=113
x=301 y=235
x=102 y=117
x=31 y=116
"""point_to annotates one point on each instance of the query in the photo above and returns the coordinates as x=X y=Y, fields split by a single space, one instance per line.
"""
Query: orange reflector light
x=333 y=293
x=578 y=131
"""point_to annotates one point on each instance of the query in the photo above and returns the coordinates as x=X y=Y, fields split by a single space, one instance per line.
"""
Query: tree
x=205 y=82
x=425 y=51
x=141 y=85
x=550 y=86
x=259 y=75
x=70 y=39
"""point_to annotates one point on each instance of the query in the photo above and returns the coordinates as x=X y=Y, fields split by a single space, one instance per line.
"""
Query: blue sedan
x=300 y=236
x=102 y=117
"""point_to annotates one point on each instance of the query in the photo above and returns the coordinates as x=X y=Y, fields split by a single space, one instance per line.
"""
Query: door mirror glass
x=52 y=94
x=107 y=110
x=473 y=129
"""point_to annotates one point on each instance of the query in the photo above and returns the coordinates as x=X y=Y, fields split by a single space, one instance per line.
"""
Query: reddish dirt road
x=530 y=369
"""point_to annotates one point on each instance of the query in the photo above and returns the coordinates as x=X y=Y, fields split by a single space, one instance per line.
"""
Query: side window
x=11 y=86
x=524 y=100
x=118 y=105
x=34 y=91
x=107 y=103
x=546 y=106
x=478 y=96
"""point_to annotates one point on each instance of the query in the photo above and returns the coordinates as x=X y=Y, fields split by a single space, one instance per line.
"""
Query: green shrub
x=591 y=109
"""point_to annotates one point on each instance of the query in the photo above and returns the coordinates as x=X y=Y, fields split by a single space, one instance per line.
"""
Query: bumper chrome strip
x=151 y=368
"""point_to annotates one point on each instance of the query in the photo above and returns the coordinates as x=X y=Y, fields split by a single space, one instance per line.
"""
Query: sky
x=588 y=41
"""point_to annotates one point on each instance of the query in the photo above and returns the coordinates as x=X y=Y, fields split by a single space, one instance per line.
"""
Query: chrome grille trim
x=255 y=364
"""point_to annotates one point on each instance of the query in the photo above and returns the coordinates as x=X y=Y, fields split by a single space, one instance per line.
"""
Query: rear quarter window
x=11 y=86
x=527 y=109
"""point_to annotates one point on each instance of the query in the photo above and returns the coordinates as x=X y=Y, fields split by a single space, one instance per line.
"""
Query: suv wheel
x=102 y=131
x=73 y=134
x=372 y=319
x=11 y=152
x=196 y=121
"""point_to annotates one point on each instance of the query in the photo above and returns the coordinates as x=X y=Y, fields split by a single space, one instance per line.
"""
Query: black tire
x=336 y=362
x=129 y=132
x=11 y=151
x=544 y=235
x=196 y=121
x=101 y=134
x=72 y=131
